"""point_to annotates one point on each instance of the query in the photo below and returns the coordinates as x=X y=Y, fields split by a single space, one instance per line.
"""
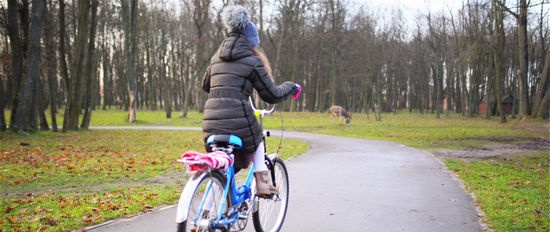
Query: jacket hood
x=235 y=46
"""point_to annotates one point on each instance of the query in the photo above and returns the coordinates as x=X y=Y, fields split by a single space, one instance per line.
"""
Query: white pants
x=258 y=160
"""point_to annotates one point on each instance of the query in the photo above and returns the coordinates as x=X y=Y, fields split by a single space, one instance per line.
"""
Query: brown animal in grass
x=341 y=113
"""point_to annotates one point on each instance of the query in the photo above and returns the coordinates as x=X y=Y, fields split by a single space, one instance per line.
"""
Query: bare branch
x=507 y=9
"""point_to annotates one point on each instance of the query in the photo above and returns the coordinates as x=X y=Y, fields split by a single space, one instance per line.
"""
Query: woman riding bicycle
x=237 y=68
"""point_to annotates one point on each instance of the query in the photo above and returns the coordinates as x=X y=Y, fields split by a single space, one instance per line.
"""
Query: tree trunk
x=4 y=94
x=522 y=73
x=64 y=66
x=107 y=79
x=91 y=70
x=130 y=12
x=187 y=94
x=74 y=106
x=3 y=125
x=523 y=59
x=167 y=97
x=26 y=115
x=542 y=100
x=333 y=45
x=42 y=105
x=63 y=58
x=52 y=66
x=18 y=50
x=498 y=49
x=132 y=61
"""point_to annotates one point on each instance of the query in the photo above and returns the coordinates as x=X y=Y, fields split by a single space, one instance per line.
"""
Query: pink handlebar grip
x=297 y=95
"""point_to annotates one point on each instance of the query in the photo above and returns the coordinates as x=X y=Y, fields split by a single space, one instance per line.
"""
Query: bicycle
x=212 y=201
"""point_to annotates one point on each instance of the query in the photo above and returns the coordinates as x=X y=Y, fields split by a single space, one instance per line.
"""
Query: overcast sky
x=411 y=8
x=413 y=5
x=383 y=10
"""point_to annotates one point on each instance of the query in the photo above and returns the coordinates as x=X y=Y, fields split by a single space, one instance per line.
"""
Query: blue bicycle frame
x=238 y=196
x=237 y=201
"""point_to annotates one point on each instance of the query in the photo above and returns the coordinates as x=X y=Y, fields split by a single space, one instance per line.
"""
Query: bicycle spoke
x=272 y=210
x=205 y=202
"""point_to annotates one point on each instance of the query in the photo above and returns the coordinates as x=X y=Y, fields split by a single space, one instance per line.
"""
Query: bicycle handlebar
x=261 y=113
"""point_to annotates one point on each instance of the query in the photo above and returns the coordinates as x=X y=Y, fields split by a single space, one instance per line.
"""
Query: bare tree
x=74 y=102
x=419 y=82
x=26 y=114
x=542 y=101
x=541 y=104
x=90 y=68
x=129 y=14
x=17 y=12
x=291 y=22
x=4 y=68
x=201 y=18
x=151 y=55
x=64 y=69
x=437 y=40
x=50 y=46
x=3 y=125
x=107 y=63
x=521 y=18
x=498 y=49
x=476 y=59
x=336 y=14
x=458 y=54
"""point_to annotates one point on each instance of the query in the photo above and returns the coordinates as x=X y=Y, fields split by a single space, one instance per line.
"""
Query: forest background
x=82 y=55
x=72 y=58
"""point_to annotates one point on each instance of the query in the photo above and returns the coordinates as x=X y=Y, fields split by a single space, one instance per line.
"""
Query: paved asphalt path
x=346 y=184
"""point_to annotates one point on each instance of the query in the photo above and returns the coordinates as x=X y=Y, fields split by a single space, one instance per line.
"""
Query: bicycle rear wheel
x=270 y=212
x=205 y=202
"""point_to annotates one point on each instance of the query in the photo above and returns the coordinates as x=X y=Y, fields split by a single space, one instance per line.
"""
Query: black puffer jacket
x=233 y=73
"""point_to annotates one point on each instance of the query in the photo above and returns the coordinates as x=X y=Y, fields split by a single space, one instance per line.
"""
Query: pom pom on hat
x=236 y=17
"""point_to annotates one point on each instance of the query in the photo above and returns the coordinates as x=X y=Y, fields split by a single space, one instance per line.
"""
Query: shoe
x=264 y=186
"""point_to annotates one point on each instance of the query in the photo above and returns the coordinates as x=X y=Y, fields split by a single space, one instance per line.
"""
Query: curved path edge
x=349 y=184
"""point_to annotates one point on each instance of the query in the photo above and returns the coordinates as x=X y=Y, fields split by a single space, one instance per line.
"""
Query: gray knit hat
x=236 y=18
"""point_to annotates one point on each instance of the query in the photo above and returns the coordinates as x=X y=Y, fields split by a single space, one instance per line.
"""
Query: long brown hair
x=258 y=51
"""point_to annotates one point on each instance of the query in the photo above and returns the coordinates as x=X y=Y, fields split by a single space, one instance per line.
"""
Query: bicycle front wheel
x=201 y=202
x=270 y=212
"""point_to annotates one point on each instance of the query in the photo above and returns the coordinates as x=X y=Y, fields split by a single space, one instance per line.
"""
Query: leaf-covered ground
x=502 y=149
x=62 y=181
x=65 y=181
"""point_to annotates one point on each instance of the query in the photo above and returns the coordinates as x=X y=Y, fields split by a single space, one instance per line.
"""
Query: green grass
x=512 y=192
x=68 y=210
x=417 y=130
x=64 y=181
x=118 y=117
x=96 y=175
x=63 y=160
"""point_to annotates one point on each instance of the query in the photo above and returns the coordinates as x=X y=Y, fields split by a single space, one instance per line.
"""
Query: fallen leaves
x=68 y=164
x=92 y=216
x=86 y=178
x=47 y=211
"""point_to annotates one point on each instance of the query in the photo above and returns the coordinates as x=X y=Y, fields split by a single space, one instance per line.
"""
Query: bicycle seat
x=224 y=140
